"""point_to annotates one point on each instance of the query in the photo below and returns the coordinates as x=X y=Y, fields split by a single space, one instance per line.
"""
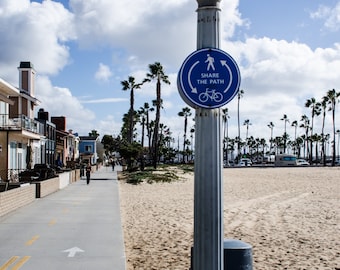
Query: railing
x=21 y=122
x=10 y=175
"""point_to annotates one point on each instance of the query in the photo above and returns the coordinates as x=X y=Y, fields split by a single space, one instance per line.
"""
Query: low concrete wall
x=73 y=176
x=16 y=197
x=46 y=187
x=13 y=199
x=76 y=175
x=64 y=179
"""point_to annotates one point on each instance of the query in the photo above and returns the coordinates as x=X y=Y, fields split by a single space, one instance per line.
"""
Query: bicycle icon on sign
x=212 y=94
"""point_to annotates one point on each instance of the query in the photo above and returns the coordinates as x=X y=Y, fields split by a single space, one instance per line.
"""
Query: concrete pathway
x=78 y=227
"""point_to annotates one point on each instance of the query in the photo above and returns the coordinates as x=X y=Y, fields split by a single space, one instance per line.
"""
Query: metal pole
x=208 y=203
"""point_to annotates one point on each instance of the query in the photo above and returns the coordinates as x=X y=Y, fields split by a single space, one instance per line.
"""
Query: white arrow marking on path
x=72 y=251
x=224 y=63
x=193 y=89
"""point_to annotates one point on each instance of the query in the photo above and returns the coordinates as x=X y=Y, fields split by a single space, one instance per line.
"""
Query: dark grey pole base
x=237 y=255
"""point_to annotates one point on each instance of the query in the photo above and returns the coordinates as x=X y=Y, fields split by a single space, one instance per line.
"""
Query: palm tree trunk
x=333 y=118
x=238 y=124
x=156 y=129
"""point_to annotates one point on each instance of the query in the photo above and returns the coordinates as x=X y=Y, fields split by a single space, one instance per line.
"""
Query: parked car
x=241 y=164
x=302 y=162
x=337 y=162
x=246 y=161
x=284 y=160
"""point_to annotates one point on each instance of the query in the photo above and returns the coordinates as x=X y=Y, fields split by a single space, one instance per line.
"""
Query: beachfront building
x=48 y=144
x=67 y=144
x=20 y=134
x=88 y=149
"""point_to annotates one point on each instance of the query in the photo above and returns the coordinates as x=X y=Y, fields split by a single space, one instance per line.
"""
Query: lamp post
x=208 y=198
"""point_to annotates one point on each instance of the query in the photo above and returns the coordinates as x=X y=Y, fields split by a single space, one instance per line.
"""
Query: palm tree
x=250 y=142
x=315 y=106
x=145 y=110
x=156 y=72
x=271 y=126
x=263 y=144
x=131 y=85
x=294 y=124
x=185 y=113
x=247 y=124
x=338 y=133
x=192 y=132
x=278 y=142
x=239 y=95
x=305 y=125
x=333 y=99
x=316 y=138
x=94 y=133
x=298 y=143
x=285 y=119
x=143 y=114
x=225 y=117
x=324 y=103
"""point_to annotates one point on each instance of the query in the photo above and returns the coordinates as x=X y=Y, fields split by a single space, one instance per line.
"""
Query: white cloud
x=105 y=100
x=231 y=18
x=270 y=65
x=277 y=75
x=60 y=102
x=35 y=32
x=331 y=16
x=148 y=29
x=103 y=73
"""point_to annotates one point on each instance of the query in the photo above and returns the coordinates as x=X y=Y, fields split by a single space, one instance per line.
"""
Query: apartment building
x=21 y=136
x=26 y=140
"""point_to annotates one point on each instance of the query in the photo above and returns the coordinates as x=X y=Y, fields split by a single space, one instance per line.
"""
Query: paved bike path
x=78 y=227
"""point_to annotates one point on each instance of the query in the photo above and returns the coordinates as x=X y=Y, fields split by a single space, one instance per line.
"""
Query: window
x=88 y=148
x=289 y=158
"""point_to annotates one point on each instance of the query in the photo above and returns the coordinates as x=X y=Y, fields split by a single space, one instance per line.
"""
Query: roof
x=8 y=89
x=87 y=138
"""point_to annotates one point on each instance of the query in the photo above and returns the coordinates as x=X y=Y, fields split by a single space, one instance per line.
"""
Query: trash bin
x=237 y=255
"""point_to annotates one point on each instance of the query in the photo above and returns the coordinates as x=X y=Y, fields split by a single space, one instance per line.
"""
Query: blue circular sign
x=209 y=78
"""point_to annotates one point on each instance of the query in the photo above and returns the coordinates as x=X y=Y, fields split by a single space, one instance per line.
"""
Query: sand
x=290 y=216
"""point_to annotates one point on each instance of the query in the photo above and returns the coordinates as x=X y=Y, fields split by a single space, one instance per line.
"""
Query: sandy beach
x=290 y=216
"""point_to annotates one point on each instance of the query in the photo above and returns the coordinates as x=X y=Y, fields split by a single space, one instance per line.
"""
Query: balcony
x=21 y=123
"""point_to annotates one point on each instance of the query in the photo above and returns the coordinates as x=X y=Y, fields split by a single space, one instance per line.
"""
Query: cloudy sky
x=288 y=51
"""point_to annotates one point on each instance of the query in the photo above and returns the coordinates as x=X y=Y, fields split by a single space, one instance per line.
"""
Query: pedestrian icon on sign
x=210 y=60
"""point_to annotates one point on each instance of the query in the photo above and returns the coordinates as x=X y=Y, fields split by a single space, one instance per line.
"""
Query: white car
x=302 y=162
x=246 y=161
x=241 y=164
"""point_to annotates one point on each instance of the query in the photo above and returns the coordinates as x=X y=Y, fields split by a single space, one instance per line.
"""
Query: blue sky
x=287 y=51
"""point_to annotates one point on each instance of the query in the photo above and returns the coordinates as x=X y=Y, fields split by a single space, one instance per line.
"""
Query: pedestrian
x=88 y=173
x=113 y=163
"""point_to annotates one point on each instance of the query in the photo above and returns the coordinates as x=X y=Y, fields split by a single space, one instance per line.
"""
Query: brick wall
x=15 y=198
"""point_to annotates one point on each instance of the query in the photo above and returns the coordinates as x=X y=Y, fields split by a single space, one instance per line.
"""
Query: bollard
x=237 y=255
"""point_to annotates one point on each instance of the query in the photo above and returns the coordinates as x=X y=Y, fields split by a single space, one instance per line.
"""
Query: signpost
x=208 y=79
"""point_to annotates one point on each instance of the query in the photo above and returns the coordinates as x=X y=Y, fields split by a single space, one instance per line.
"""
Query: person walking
x=113 y=163
x=88 y=173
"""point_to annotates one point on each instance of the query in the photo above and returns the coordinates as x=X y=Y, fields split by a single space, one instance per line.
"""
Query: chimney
x=60 y=122
x=42 y=115
x=26 y=78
